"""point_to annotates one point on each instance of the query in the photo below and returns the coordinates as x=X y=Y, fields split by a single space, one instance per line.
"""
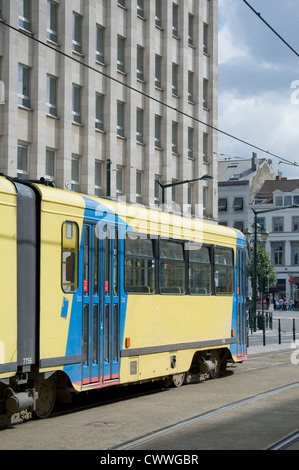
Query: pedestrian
x=285 y=303
x=291 y=303
x=280 y=303
x=268 y=301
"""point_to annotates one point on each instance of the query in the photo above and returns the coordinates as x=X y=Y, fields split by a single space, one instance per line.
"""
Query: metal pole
x=254 y=278
x=294 y=331
x=279 y=332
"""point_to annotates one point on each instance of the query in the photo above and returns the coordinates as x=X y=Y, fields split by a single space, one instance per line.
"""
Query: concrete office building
x=108 y=97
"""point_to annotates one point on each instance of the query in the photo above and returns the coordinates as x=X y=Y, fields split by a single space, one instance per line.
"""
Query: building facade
x=239 y=181
x=282 y=224
x=110 y=97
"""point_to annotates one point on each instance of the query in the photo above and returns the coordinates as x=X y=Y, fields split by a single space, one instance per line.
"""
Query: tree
x=265 y=266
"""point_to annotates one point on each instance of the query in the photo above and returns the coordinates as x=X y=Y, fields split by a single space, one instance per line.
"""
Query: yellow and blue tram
x=96 y=293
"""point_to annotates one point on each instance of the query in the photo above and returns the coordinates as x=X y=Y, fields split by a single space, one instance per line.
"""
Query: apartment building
x=109 y=97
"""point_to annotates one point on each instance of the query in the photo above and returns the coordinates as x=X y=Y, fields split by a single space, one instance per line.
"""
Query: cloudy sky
x=256 y=74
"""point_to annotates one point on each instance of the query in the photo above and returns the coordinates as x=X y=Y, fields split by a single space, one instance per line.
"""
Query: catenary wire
x=30 y=36
x=272 y=29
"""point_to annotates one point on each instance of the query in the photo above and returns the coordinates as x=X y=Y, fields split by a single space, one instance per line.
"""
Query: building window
x=238 y=204
x=51 y=96
x=121 y=3
x=77 y=33
x=139 y=126
x=99 y=121
x=205 y=140
x=24 y=86
x=175 y=69
x=158 y=77
x=222 y=204
x=295 y=223
x=158 y=14
x=239 y=225
x=190 y=30
x=120 y=54
x=140 y=8
x=190 y=87
x=157 y=191
x=139 y=175
x=120 y=119
x=52 y=22
x=204 y=200
x=174 y=192
x=277 y=224
x=205 y=38
x=1 y=13
x=205 y=93
x=175 y=20
x=76 y=113
x=174 y=137
x=75 y=174
x=98 y=179
x=50 y=164
x=23 y=162
x=278 y=253
x=295 y=254
x=100 y=44
x=190 y=142
x=140 y=63
x=158 y=123
x=119 y=181
x=25 y=14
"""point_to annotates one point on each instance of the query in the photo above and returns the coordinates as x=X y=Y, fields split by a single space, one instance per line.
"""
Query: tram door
x=100 y=304
x=241 y=300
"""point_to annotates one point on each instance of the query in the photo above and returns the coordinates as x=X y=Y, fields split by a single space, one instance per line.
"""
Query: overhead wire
x=227 y=134
x=272 y=29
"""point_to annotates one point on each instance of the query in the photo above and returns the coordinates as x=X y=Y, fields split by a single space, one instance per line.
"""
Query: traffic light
x=264 y=284
x=291 y=280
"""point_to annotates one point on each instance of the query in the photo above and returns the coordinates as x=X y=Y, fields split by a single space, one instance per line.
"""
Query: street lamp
x=169 y=185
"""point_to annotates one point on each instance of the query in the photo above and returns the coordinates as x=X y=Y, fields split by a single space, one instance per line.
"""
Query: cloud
x=256 y=70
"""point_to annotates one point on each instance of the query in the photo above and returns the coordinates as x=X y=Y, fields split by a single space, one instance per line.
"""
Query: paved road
x=250 y=426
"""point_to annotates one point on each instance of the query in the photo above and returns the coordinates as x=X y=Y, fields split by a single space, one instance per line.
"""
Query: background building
x=283 y=227
x=108 y=97
x=239 y=181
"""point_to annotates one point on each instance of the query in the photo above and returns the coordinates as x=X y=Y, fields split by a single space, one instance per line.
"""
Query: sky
x=259 y=81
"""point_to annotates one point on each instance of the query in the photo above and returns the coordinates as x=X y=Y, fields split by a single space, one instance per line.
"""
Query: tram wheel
x=216 y=359
x=178 y=379
x=46 y=389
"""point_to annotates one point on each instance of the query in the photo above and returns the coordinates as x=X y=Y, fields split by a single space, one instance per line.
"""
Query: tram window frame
x=224 y=268
x=69 y=257
x=174 y=262
x=194 y=264
x=143 y=262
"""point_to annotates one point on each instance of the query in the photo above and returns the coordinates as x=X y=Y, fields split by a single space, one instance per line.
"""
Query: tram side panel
x=8 y=280
x=60 y=282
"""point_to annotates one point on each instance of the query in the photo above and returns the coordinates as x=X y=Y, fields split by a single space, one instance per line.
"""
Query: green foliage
x=265 y=266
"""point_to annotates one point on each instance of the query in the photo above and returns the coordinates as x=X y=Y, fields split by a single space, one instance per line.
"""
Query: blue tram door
x=91 y=306
x=241 y=300
x=100 y=304
x=110 y=294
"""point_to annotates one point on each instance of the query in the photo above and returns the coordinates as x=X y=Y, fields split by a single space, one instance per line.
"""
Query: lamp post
x=169 y=185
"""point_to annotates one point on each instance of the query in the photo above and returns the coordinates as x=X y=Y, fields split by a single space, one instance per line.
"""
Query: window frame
x=76 y=258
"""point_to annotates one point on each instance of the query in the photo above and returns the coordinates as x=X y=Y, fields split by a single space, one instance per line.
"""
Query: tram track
x=197 y=419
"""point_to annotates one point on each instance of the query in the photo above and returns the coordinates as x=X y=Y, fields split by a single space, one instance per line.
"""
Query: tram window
x=139 y=265
x=69 y=257
x=224 y=270
x=172 y=268
x=200 y=275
